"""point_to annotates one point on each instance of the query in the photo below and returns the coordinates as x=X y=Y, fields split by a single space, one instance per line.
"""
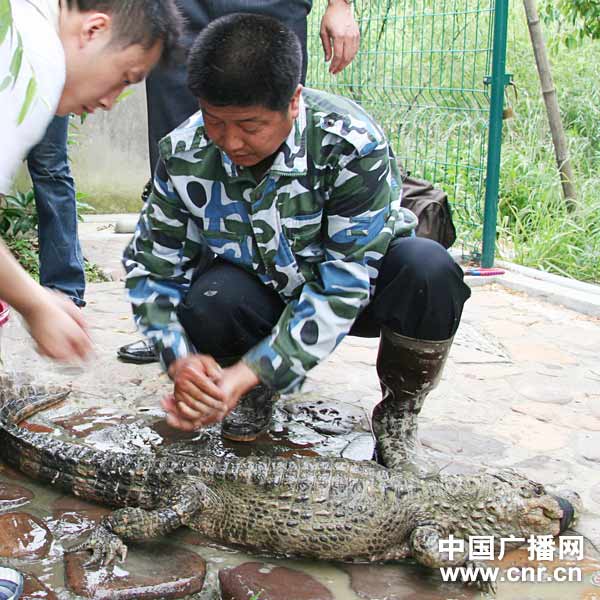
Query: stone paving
x=521 y=389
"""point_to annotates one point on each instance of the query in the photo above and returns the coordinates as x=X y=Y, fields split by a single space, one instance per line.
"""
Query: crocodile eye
x=538 y=490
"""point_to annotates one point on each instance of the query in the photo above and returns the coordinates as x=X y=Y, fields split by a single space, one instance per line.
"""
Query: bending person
x=170 y=102
x=274 y=229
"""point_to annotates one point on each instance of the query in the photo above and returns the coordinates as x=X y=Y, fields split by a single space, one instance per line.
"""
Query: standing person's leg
x=169 y=101
x=417 y=307
x=61 y=260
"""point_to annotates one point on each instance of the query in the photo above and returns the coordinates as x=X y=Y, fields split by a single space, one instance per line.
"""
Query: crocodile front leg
x=137 y=524
x=104 y=545
x=425 y=546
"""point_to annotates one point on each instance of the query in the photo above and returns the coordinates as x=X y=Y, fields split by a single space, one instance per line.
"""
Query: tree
x=582 y=18
x=584 y=15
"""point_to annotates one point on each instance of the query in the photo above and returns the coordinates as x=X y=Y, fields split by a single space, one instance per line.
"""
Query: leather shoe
x=140 y=353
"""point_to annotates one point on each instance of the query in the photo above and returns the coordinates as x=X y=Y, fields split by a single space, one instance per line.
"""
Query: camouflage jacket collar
x=291 y=158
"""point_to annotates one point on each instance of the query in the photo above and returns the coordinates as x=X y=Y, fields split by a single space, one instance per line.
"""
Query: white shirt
x=44 y=60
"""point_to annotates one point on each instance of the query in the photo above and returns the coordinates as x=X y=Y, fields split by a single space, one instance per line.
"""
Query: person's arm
x=159 y=261
x=340 y=35
x=54 y=322
x=362 y=214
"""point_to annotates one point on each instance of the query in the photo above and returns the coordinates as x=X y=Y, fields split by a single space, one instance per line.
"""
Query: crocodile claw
x=487 y=586
x=105 y=547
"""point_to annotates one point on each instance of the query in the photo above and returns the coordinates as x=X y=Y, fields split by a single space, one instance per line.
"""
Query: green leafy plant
x=18 y=215
x=18 y=228
x=25 y=250
x=575 y=20
x=93 y=273
x=7 y=30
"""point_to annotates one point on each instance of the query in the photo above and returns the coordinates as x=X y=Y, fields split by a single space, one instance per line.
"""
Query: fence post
x=499 y=80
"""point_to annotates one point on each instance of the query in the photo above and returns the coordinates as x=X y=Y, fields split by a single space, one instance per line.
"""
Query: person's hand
x=340 y=35
x=196 y=400
x=58 y=327
x=204 y=393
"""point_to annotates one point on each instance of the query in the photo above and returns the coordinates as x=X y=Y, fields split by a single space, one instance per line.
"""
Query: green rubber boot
x=408 y=370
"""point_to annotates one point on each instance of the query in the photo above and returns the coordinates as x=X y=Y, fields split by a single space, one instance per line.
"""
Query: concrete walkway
x=521 y=389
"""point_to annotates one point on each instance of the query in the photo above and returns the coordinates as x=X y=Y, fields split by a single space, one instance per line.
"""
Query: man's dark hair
x=143 y=22
x=245 y=60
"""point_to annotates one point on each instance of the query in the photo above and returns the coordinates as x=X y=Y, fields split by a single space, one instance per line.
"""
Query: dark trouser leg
x=168 y=99
x=417 y=307
x=61 y=261
x=419 y=294
x=227 y=311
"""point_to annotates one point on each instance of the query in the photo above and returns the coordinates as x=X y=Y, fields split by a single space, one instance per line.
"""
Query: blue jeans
x=61 y=261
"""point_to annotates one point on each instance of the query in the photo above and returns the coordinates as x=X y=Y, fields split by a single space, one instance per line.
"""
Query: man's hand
x=204 y=393
x=197 y=399
x=57 y=326
x=340 y=35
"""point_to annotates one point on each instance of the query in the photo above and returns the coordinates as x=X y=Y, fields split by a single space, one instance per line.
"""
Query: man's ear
x=95 y=26
x=295 y=102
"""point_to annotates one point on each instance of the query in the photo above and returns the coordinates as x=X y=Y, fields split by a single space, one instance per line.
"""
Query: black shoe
x=251 y=417
x=141 y=352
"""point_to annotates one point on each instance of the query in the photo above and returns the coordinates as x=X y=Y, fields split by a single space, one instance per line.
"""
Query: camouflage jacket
x=315 y=229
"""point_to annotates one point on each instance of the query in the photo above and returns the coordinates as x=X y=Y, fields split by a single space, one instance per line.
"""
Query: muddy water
x=311 y=427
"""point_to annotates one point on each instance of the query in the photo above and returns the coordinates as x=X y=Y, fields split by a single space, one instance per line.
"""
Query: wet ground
x=521 y=389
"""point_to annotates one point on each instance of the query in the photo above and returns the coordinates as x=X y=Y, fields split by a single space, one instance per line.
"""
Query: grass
x=534 y=223
x=420 y=72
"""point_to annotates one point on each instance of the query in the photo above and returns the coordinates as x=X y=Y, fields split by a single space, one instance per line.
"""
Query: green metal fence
x=428 y=71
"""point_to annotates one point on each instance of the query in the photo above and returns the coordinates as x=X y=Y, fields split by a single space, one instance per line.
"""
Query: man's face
x=249 y=134
x=98 y=71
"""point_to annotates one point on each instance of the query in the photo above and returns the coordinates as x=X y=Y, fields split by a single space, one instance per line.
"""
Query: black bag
x=431 y=207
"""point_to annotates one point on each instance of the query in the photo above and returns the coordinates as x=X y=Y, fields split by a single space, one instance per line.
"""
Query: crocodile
x=317 y=507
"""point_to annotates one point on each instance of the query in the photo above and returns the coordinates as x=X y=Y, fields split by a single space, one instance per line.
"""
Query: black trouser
x=420 y=294
x=168 y=98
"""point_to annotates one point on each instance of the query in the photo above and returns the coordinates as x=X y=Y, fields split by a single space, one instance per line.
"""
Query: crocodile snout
x=570 y=504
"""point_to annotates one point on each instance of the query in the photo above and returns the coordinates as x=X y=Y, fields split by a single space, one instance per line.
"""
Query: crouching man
x=273 y=230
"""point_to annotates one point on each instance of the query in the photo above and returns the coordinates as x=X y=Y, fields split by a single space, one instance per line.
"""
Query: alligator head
x=521 y=507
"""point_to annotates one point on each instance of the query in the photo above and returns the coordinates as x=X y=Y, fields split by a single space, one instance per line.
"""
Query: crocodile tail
x=108 y=478
x=20 y=401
